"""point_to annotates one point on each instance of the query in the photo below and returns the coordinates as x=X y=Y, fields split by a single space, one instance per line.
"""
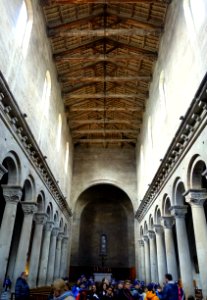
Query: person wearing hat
x=150 y=294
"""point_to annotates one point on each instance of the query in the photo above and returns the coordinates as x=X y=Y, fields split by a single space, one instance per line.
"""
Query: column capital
x=168 y=222
x=12 y=193
x=49 y=226
x=3 y=170
x=195 y=197
x=60 y=236
x=145 y=238
x=151 y=234
x=65 y=239
x=179 y=211
x=29 y=208
x=141 y=243
x=158 y=229
x=55 y=231
x=40 y=218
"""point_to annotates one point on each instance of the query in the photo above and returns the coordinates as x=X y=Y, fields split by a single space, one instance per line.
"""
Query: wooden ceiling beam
x=135 y=21
x=104 y=96
x=62 y=2
x=108 y=58
x=102 y=130
x=55 y=28
x=134 y=49
x=66 y=91
x=102 y=109
x=105 y=32
x=105 y=140
x=63 y=79
x=81 y=46
x=76 y=102
x=106 y=121
x=88 y=45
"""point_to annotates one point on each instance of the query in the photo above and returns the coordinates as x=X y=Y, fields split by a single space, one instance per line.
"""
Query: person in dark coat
x=22 y=287
x=170 y=290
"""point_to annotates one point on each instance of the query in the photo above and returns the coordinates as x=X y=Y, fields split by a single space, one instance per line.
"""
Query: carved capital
x=196 y=197
x=168 y=222
x=158 y=229
x=29 y=208
x=145 y=238
x=65 y=239
x=49 y=226
x=12 y=194
x=3 y=170
x=151 y=234
x=60 y=236
x=55 y=231
x=141 y=243
x=179 y=211
x=40 y=218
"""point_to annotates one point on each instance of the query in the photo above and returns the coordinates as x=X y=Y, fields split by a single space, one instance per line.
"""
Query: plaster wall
x=25 y=74
x=113 y=166
x=180 y=67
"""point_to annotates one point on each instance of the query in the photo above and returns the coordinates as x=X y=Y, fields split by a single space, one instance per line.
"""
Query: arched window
x=46 y=94
x=59 y=131
x=194 y=12
x=45 y=105
x=149 y=129
x=162 y=93
x=67 y=157
x=24 y=26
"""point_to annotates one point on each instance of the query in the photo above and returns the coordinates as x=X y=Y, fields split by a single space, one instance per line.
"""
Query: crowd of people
x=87 y=289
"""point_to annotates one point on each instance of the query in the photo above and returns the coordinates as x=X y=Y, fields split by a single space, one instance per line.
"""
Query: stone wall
x=25 y=74
x=178 y=72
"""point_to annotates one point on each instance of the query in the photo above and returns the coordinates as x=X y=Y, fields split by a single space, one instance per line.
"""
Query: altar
x=99 y=276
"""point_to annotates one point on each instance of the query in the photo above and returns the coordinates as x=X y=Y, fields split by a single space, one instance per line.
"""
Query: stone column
x=12 y=195
x=161 y=254
x=196 y=199
x=142 y=260
x=45 y=254
x=63 y=260
x=179 y=212
x=3 y=170
x=147 y=258
x=29 y=208
x=153 y=256
x=168 y=223
x=51 y=260
x=58 y=254
x=40 y=220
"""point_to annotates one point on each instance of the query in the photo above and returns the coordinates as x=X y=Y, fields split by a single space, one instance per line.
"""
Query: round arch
x=103 y=209
x=12 y=163
x=93 y=183
x=195 y=169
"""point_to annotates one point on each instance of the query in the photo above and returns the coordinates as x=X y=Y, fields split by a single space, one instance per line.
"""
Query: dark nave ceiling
x=105 y=52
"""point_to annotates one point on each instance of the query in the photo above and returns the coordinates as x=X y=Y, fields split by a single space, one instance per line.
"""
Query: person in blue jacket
x=170 y=289
x=22 y=287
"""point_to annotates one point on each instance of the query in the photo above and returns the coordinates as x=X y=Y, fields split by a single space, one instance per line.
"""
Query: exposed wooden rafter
x=60 y=2
x=102 y=79
x=104 y=52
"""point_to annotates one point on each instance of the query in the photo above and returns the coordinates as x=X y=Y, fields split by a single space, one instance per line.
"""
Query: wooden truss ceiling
x=104 y=52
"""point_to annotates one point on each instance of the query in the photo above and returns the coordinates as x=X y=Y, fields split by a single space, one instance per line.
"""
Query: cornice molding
x=192 y=124
x=15 y=121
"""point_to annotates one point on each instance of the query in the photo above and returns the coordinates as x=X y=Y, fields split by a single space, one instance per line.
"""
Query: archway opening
x=103 y=211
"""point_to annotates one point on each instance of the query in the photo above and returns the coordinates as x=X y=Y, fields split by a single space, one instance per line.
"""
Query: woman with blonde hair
x=60 y=290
